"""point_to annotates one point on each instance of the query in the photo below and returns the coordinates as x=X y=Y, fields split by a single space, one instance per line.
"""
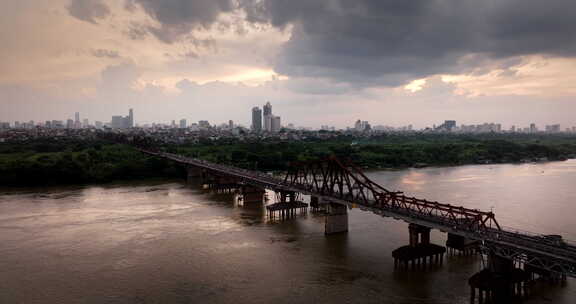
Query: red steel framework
x=346 y=181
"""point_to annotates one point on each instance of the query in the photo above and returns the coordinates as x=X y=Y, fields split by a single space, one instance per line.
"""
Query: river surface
x=169 y=242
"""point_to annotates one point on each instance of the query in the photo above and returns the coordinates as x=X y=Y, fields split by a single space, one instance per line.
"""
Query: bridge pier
x=420 y=253
x=317 y=204
x=500 y=282
x=287 y=207
x=251 y=194
x=461 y=245
x=336 y=220
x=220 y=184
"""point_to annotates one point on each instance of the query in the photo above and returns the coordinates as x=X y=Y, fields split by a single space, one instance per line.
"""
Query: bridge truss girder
x=347 y=182
x=545 y=262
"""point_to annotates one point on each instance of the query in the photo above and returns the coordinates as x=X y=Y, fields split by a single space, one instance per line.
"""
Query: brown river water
x=169 y=242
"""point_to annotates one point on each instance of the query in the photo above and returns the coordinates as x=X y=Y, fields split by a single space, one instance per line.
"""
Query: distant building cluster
x=265 y=121
x=123 y=122
x=117 y=122
x=265 y=124
x=450 y=126
x=362 y=126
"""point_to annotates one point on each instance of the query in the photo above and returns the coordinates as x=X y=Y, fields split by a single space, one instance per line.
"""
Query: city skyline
x=190 y=58
x=257 y=124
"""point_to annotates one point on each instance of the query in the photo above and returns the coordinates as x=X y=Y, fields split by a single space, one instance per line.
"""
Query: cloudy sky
x=392 y=62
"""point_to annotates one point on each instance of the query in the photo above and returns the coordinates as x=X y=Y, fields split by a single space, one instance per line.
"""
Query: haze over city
x=319 y=62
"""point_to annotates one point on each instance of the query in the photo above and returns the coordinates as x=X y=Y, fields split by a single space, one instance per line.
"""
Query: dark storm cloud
x=387 y=42
x=179 y=17
x=88 y=10
x=370 y=42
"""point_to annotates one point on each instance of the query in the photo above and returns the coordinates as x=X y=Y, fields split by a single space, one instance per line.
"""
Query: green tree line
x=42 y=162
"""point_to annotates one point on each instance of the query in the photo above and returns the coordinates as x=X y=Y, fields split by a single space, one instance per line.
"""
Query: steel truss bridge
x=338 y=182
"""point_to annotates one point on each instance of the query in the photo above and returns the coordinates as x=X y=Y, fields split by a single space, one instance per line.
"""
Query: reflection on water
x=167 y=242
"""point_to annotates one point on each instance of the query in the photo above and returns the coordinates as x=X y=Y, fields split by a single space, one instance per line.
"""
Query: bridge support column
x=287 y=207
x=500 y=281
x=317 y=204
x=252 y=194
x=420 y=251
x=461 y=245
x=219 y=184
x=336 y=220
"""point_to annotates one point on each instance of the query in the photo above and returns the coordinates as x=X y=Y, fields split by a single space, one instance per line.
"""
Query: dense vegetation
x=390 y=151
x=75 y=161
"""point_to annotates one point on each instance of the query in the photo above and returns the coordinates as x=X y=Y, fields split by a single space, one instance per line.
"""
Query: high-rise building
x=230 y=124
x=267 y=109
x=203 y=124
x=256 y=119
x=268 y=122
x=123 y=122
x=267 y=115
x=85 y=123
x=57 y=124
x=117 y=122
x=275 y=124
x=358 y=125
x=130 y=118
x=533 y=128
x=183 y=124
x=70 y=124
x=553 y=128
x=449 y=125
x=366 y=126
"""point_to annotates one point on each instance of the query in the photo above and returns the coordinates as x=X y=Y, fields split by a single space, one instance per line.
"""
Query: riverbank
x=89 y=162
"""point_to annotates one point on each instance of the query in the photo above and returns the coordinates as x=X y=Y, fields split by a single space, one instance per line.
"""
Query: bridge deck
x=536 y=250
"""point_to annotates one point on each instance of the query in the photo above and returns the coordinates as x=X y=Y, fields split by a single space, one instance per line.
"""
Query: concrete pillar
x=315 y=201
x=253 y=194
x=336 y=219
x=500 y=265
x=413 y=232
x=425 y=235
x=289 y=196
x=418 y=235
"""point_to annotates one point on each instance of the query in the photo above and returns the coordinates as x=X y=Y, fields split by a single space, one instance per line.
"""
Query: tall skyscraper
x=183 y=124
x=268 y=117
x=268 y=123
x=77 y=123
x=130 y=118
x=256 y=119
x=358 y=125
x=267 y=109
